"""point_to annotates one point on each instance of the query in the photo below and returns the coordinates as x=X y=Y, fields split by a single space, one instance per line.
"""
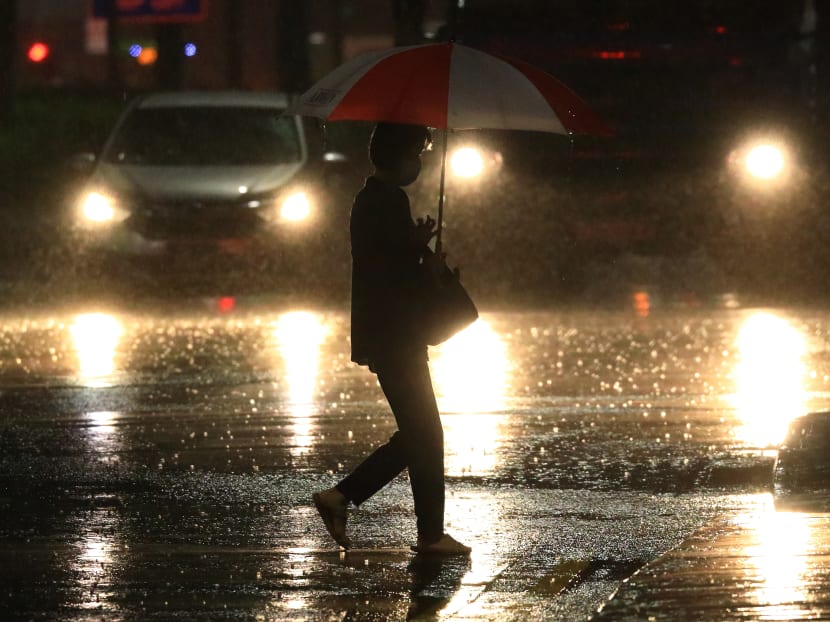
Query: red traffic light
x=38 y=52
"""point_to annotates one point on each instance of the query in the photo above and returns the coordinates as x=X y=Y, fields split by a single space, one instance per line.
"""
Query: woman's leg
x=378 y=469
x=420 y=439
x=417 y=445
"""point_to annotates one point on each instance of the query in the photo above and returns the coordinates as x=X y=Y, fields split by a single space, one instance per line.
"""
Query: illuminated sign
x=151 y=10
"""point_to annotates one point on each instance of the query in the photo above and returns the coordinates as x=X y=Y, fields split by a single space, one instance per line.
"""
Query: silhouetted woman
x=390 y=262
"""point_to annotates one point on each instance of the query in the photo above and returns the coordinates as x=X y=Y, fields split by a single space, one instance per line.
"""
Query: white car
x=211 y=173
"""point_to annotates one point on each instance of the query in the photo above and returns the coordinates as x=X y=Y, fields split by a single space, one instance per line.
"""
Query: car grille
x=195 y=220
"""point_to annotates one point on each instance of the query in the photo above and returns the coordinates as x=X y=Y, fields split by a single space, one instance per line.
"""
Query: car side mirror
x=336 y=165
x=335 y=157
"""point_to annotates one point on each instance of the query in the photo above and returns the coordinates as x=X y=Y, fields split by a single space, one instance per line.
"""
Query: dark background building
x=248 y=44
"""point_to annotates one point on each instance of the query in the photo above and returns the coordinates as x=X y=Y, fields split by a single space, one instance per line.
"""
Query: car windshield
x=205 y=136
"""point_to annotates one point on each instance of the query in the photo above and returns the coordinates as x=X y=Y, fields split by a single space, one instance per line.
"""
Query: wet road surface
x=762 y=565
x=159 y=464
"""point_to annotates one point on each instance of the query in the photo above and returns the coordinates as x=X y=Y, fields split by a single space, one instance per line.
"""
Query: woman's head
x=395 y=149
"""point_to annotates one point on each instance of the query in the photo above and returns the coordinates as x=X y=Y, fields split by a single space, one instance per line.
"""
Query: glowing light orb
x=97 y=208
x=96 y=337
x=765 y=162
x=148 y=56
x=467 y=162
x=770 y=377
x=471 y=377
x=38 y=52
x=296 y=207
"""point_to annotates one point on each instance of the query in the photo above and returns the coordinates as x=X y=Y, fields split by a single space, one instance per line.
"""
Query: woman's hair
x=393 y=142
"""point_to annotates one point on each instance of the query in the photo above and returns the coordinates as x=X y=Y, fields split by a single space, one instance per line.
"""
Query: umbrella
x=448 y=86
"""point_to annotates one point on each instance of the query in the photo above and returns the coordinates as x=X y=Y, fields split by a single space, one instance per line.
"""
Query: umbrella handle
x=441 y=193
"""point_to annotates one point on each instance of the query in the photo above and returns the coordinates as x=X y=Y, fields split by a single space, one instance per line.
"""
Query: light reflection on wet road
x=162 y=463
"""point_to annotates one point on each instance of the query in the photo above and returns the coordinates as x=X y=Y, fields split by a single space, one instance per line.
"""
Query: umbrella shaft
x=441 y=193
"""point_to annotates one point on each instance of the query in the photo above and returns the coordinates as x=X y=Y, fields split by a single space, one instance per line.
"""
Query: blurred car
x=211 y=175
x=802 y=468
x=718 y=145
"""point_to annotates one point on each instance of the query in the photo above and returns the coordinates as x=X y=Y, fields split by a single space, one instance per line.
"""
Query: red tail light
x=617 y=54
x=226 y=304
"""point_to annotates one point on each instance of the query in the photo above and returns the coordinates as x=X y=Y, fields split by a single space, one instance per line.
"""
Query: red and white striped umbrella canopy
x=447 y=85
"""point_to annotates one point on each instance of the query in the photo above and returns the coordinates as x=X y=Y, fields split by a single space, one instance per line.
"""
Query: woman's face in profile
x=410 y=165
x=409 y=170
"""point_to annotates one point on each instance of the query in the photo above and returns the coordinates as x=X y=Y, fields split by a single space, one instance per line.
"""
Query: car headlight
x=467 y=162
x=98 y=208
x=471 y=162
x=765 y=161
x=762 y=164
x=295 y=207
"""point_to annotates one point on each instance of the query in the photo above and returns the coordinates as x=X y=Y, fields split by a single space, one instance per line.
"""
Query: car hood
x=205 y=183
